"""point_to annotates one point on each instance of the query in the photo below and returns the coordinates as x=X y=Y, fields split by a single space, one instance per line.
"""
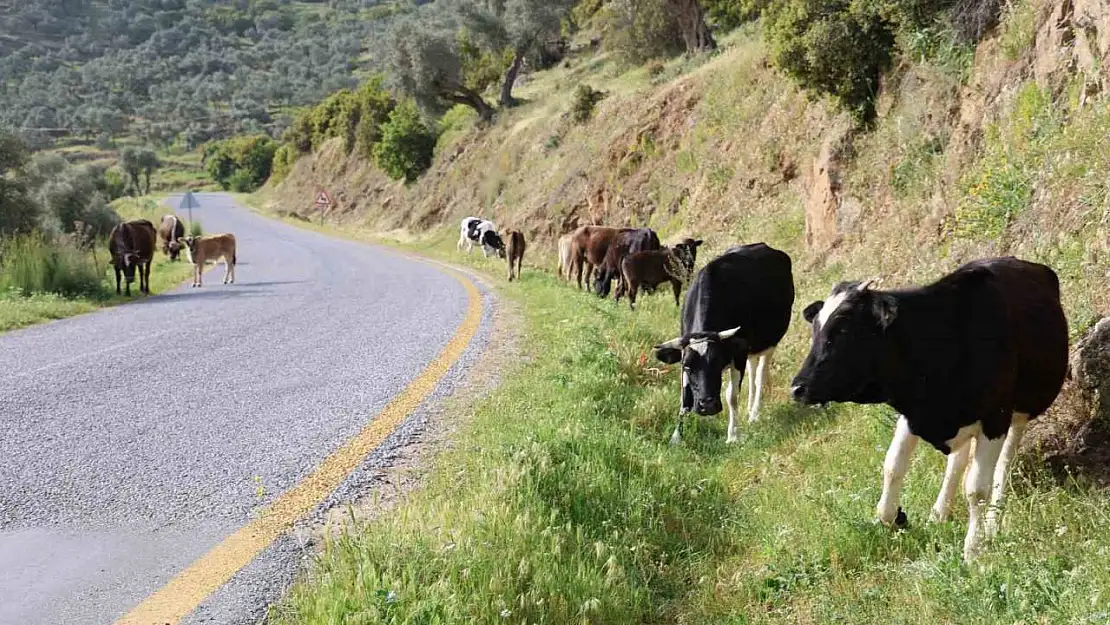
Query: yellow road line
x=182 y=594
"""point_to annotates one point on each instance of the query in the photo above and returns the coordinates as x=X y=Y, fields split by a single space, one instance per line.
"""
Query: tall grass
x=32 y=264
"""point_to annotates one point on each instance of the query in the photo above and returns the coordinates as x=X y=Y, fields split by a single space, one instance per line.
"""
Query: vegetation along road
x=152 y=450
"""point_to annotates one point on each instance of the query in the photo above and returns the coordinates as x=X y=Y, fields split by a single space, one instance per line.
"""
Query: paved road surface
x=134 y=439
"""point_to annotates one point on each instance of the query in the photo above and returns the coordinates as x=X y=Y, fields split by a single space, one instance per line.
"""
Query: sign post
x=323 y=203
x=189 y=202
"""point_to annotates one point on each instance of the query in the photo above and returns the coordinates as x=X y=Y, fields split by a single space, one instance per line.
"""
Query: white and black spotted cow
x=483 y=232
x=735 y=313
x=973 y=356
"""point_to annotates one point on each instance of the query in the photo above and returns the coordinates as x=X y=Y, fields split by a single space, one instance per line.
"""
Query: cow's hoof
x=938 y=516
x=900 y=520
x=732 y=440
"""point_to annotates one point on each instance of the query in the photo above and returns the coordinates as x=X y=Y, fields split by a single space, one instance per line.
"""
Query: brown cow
x=652 y=268
x=588 y=248
x=170 y=231
x=212 y=248
x=131 y=244
x=514 y=251
x=625 y=243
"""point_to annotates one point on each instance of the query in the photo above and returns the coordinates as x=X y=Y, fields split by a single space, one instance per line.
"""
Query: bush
x=836 y=48
x=195 y=230
x=585 y=99
x=638 y=30
x=655 y=68
x=241 y=164
x=33 y=264
x=405 y=150
x=356 y=116
x=729 y=14
x=284 y=159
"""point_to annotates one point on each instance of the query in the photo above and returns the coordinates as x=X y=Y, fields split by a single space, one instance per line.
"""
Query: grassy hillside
x=562 y=501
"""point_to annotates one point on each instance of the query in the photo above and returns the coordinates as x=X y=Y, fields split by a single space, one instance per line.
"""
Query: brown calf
x=650 y=269
x=170 y=231
x=515 y=252
x=589 y=245
x=131 y=244
x=212 y=248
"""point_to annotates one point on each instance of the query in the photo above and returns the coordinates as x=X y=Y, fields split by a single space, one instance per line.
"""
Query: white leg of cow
x=459 y=244
x=749 y=372
x=760 y=382
x=676 y=436
x=1002 y=471
x=731 y=391
x=977 y=486
x=953 y=474
x=894 y=471
x=227 y=271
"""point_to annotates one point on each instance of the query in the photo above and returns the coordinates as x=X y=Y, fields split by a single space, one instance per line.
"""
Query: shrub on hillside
x=638 y=30
x=729 y=14
x=284 y=158
x=837 y=48
x=406 y=146
x=242 y=163
x=356 y=116
x=33 y=263
x=585 y=99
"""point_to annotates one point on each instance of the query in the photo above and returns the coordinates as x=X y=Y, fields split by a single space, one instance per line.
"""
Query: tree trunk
x=691 y=21
x=507 y=99
x=147 y=173
x=471 y=98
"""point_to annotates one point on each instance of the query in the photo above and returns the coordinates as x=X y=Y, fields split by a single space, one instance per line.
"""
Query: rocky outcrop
x=823 y=192
x=1075 y=42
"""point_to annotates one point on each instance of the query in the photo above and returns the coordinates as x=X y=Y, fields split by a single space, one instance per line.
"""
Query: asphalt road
x=134 y=439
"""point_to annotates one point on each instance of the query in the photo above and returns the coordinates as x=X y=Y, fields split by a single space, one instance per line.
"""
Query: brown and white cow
x=589 y=245
x=211 y=248
x=131 y=244
x=171 y=230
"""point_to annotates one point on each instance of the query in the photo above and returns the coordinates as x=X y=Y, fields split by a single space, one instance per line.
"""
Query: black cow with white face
x=975 y=355
x=736 y=311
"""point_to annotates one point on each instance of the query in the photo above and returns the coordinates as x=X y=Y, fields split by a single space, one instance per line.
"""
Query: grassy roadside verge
x=17 y=311
x=562 y=502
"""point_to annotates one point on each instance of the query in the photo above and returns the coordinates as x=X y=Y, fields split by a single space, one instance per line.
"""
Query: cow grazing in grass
x=483 y=232
x=171 y=230
x=972 y=357
x=648 y=270
x=566 y=246
x=515 y=252
x=212 y=248
x=131 y=245
x=589 y=245
x=735 y=313
x=625 y=243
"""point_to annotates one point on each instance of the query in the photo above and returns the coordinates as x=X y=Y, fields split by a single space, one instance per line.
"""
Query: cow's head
x=128 y=261
x=704 y=356
x=174 y=248
x=493 y=241
x=845 y=358
x=687 y=254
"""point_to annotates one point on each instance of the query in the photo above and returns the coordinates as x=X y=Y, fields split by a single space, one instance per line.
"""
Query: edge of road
x=262 y=558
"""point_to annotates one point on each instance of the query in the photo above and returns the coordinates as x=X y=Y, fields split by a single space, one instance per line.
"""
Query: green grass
x=561 y=501
x=43 y=281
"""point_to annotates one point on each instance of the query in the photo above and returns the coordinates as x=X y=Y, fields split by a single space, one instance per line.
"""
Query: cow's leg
x=633 y=289
x=953 y=473
x=145 y=268
x=1002 y=471
x=117 y=279
x=735 y=379
x=760 y=382
x=749 y=372
x=685 y=400
x=200 y=275
x=894 y=471
x=589 y=274
x=459 y=243
x=977 y=487
x=676 y=286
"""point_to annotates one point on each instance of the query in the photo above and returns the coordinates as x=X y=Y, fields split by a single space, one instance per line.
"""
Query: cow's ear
x=670 y=352
x=886 y=309
x=698 y=242
x=810 y=312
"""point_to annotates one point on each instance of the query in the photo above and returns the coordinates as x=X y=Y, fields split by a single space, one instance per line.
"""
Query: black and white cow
x=735 y=313
x=483 y=232
x=973 y=356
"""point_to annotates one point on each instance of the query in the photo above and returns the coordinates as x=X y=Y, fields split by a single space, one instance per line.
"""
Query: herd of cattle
x=967 y=361
x=131 y=245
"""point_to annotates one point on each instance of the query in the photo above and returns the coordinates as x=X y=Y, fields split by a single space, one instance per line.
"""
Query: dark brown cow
x=131 y=244
x=515 y=252
x=588 y=249
x=170 y=230
x=625 y=243
x=650 y=269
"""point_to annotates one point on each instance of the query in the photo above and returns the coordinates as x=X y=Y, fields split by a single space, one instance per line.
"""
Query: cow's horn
x=728 y=334
x=675 y=343
x=867 y=284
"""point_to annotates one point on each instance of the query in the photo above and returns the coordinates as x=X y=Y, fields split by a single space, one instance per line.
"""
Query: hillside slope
x=993 y=150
